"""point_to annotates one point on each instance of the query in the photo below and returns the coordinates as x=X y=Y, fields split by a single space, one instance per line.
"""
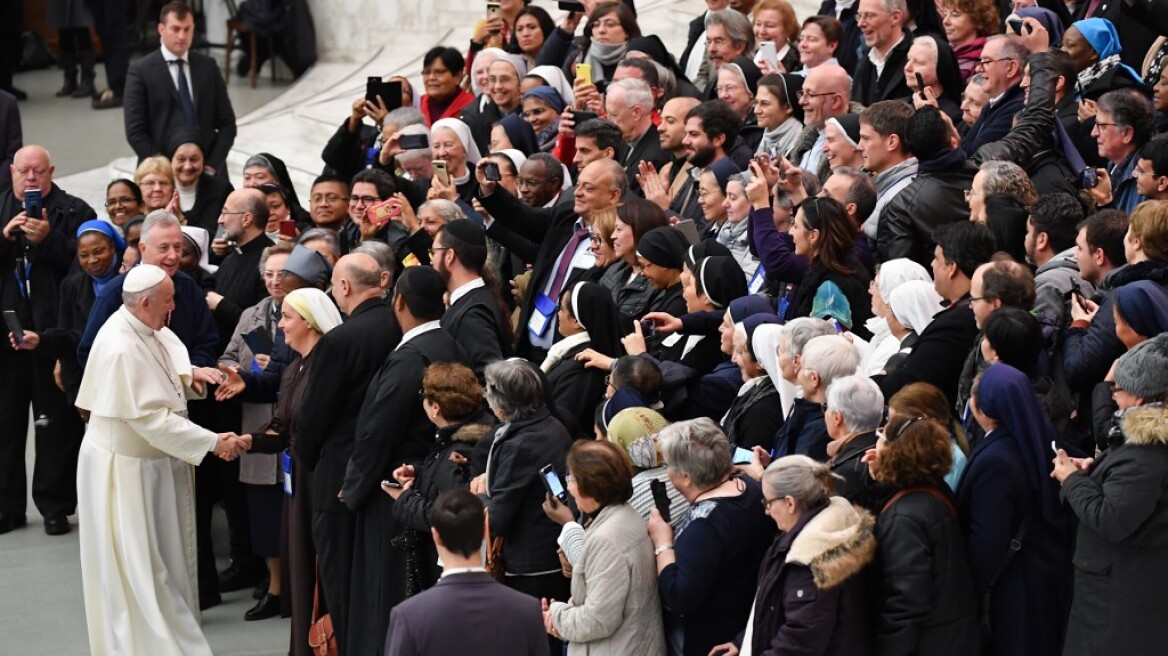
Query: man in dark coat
x=392 y=430
x=494 y=620
x=11 y=137
x=174 y=87
x=1003 y=60
x=880 y=74
x=475 y=320
x=847 y=52
x=36 y=254
x=941 y=348
x=354 y=351
x=630 y=104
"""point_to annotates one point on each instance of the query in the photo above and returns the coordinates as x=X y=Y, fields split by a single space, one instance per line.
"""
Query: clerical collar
x=465 y=289
x=418 y=330
x=462 y=570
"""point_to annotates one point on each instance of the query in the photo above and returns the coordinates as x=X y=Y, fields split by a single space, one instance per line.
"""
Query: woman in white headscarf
x=884 y=344
x=911 y=308
x=451 y=142
x=554 y=78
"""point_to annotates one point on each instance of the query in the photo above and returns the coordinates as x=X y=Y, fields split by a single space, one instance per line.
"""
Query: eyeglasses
x=330 y=198
x=123 y=200
x=594 y=237
x=1107 y=125
x=883 y=430
x=435 y=249
x=802 y=93
x=982 y=63
x=728 y=88
x=530 y=182
x=766 y=503
x=273 y=275
x=363 y=200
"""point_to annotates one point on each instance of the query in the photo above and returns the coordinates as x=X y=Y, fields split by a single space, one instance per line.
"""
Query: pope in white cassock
x=136 y=510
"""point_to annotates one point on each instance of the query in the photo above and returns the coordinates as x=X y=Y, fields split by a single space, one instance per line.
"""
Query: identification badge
x=757 y=281
x=542 y=315
x=286 y=472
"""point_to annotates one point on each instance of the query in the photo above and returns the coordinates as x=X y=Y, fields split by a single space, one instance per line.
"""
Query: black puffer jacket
x=928 y=606
x=905 y=229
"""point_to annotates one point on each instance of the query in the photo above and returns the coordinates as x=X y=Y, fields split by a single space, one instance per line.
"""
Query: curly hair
x=454 y=388
x=918 y=455
x=982 y=13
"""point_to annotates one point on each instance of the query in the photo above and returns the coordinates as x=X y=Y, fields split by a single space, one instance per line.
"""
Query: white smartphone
x=767 y=51
x=1054 y=447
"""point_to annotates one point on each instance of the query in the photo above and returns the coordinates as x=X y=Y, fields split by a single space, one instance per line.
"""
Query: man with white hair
x=823 y=356
x=629 y=103
x=880 y=75
x=136 y=519
x=854 y=410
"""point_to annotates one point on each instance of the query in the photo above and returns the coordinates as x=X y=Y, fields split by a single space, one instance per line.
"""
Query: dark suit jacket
x=868 y=89
x=696 y=27
x=11 y=137
x=551 y=228
x=939 y=353
x=477 y=323
x=152 y=111
x=354 y=351
x=847 y=51
x=493 y=620
x=995 y=121
x=647 y=149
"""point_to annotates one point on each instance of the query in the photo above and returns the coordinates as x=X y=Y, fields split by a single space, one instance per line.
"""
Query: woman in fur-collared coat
x=811 y=597
x=1121 y=501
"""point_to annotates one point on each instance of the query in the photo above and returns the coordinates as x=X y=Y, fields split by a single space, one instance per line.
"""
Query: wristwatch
x=662 y=549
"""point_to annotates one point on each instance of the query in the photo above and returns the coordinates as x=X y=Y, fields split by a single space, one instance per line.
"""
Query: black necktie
x=184 y=94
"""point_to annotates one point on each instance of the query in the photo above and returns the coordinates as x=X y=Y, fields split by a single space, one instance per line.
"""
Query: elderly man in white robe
x=137 y=509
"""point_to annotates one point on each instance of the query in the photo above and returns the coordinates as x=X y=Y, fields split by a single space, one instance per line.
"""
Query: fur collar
x=836 y=544
x=1145 y=426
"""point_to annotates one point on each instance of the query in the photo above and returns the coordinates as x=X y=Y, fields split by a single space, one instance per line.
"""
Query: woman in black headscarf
x=933 y=58
x=737 y=86
x=266 y=168
x=587 y=319
x=200 y=194
x=518 y=134
x=709 y=285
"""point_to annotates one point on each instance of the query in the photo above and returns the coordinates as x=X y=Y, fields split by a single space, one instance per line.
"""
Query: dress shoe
x=9 y=522
x=267 y=607
x=57 y=524
x=238 y=577
x=107 y=100
x=209 y=600
x=260 y=589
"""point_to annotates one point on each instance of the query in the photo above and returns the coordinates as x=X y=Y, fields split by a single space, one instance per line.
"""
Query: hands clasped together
x=230 y=446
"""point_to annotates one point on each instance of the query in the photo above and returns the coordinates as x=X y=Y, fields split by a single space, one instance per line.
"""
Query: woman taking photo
x=200 y=194
x=775 y=22
x=614 y=606
x=306 y=315
x=836 y=284
x=823 y=545
x=708 y=571
x=927 y=601
x=605 y=41
x=451 y=142
x=734 y=232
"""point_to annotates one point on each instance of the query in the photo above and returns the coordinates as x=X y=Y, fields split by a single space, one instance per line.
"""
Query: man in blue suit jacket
x=467 y=611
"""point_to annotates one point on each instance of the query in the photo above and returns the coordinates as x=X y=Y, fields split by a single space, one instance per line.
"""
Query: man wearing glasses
x=1003 y=60
x=880 y=75
x=824 y=95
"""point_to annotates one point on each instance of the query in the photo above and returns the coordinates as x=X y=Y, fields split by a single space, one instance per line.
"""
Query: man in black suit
x=493 y=620
x=941 y=348
x=880 y=75
x=354 y=351
x=173 y=88
x=630 y=104
x=392 y=430
x=475 y=318
x=562 y=233
x=11 y=137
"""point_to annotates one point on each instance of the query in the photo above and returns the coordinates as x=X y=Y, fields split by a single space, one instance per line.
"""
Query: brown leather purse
x=320 y=634
x=495 y=558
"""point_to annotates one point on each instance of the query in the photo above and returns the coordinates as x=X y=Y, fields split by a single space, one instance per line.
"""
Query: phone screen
x=552 y=479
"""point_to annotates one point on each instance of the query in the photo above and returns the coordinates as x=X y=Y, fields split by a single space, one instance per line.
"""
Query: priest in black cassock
x=392 y=429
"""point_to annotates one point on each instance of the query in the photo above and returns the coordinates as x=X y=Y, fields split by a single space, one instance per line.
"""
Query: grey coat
x=1053 y=280
x=615 y=609
x=254 y=468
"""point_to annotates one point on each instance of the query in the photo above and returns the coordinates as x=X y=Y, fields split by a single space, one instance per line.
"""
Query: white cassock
x=136 y=501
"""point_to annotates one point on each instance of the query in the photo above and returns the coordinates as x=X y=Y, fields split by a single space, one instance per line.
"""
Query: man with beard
x=672 y=132
x=711 y=129
x=475 y=318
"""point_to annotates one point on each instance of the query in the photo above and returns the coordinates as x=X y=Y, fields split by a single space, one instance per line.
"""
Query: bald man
x=350 y=355
x=36 y=253
x=564 y=256
x=825 y=95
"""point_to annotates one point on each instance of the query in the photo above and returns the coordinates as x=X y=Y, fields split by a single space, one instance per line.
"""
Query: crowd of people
x=832 y=336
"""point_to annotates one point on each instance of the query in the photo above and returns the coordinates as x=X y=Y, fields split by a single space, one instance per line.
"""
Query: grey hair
x=742 y=177
x=404 y=116
x=797 y=332
x=830 y=356
x=860 y=401
x=637 y=93
x=737 y=26
x=699 y=449
x=896 y=5
x=1004 y=177
x=322 y=234
x=1012 y=48
x=157 y=219
x=380 y=251
x=416 y=153
x=804 y=479
x=446 y=209
x=513 y=388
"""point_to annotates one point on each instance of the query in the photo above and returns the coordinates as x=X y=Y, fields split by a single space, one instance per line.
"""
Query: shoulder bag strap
x=927 y=490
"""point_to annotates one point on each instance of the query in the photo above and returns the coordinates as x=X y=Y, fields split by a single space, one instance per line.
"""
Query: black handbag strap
x=988 y=594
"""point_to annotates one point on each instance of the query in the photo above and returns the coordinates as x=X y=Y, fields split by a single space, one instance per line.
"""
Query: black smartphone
x=553 y=484
x=579 y=116
x=648 y=328
x=1088 y=178
x=14 y=327
x=1078 y=298
x=1014 y=25
x=414 y=141
x=921 y=86
x=660 y=499
x=491 y=171
x=571 y=6
x=259 y=341
x=390 y=92
x=33 y=203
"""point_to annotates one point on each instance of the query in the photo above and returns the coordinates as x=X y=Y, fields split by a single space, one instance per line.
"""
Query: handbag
x=320 y=634
x=495 y=559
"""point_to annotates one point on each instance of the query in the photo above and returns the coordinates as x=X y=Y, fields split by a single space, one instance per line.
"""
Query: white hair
x=830 y=356
x=637 y=93
x=157 y=219
x=859 y=400
x=798 y=332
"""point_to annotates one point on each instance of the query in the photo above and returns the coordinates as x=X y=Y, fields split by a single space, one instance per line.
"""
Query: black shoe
x=57 y=524
x=260 y=589
x=267 y=607
x=9 y=522
x=107 y=100
x=209 y=600
x=239 y=577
